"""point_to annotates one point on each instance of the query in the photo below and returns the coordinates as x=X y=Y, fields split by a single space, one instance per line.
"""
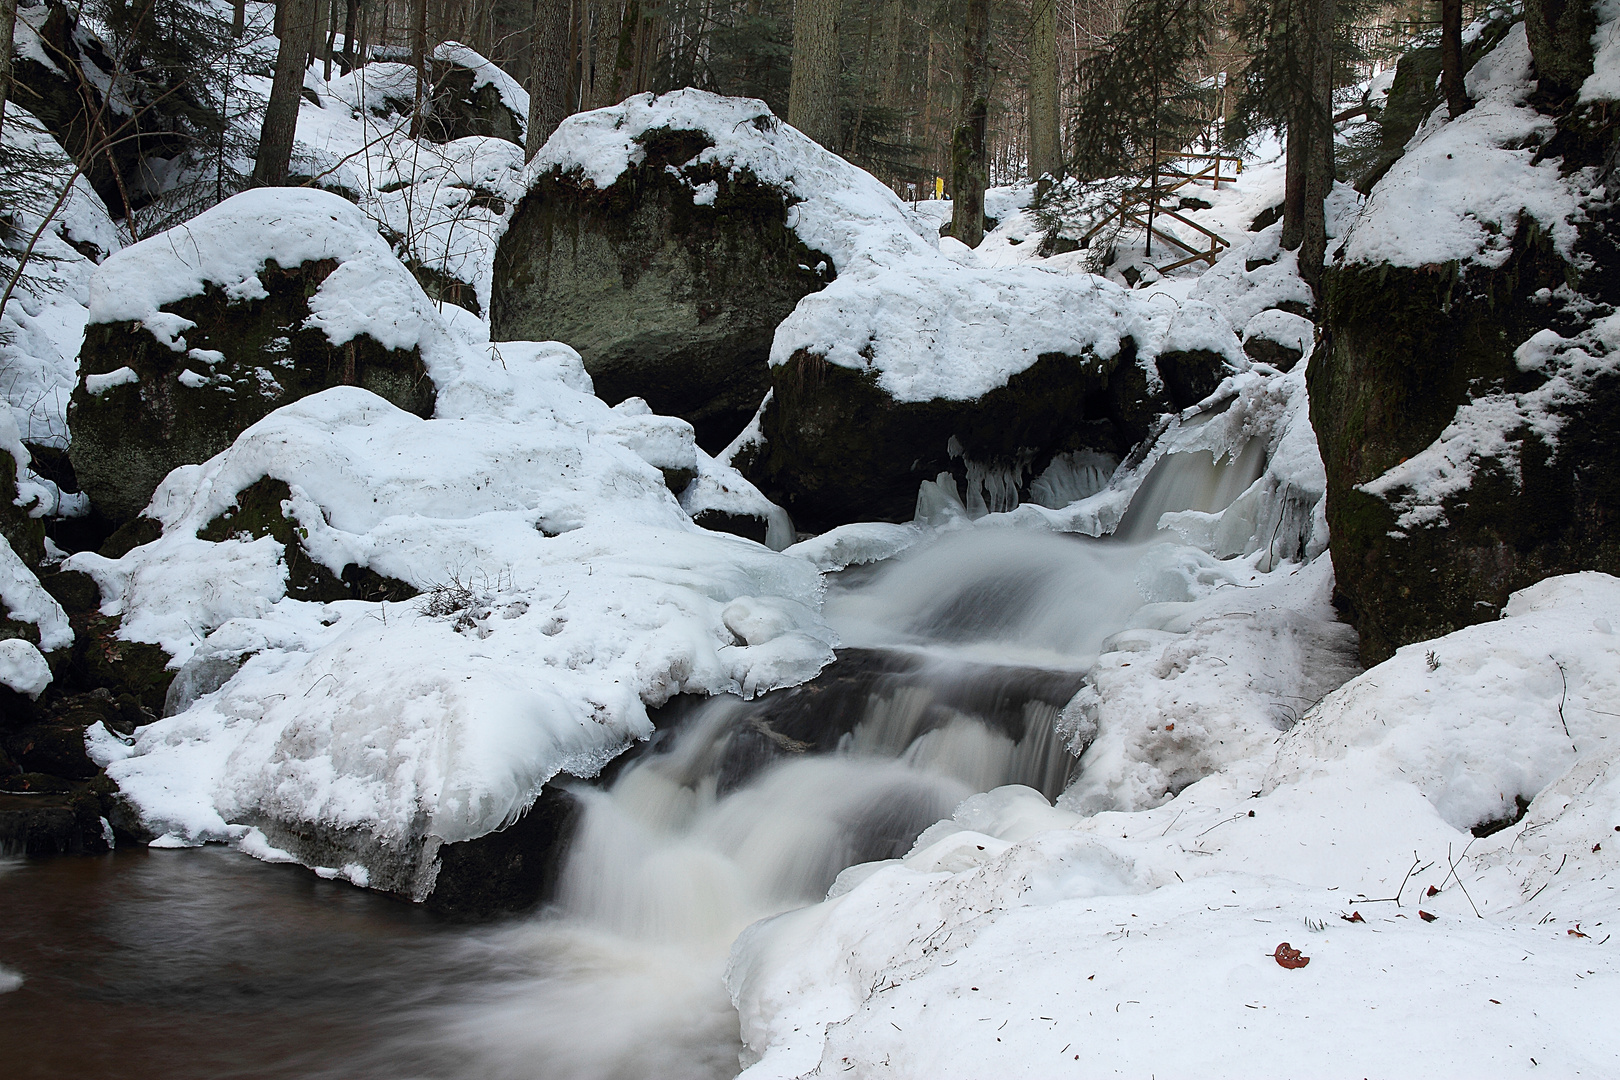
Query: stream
x=959 y=658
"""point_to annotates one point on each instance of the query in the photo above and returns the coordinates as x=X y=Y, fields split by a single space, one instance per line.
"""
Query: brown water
x=205 y=963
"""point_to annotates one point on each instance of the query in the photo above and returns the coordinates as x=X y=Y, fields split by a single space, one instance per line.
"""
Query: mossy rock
x=1403 y=349
x=838 y=448
x=664 y=299
x=259 y=511
x=183 y=409
x=25 y=534
x=459 y=111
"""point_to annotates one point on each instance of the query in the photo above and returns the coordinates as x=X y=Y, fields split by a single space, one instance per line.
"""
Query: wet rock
x=666 y=299
x=45 y=821
x=509 y=871
x=838 y=448
x=141 y=409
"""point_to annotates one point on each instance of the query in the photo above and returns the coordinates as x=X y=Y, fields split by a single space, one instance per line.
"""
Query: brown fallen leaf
x=1432 y=891
x=1289 y=957
x=1426 y=917
x=1576 y=932
x=1354 y=916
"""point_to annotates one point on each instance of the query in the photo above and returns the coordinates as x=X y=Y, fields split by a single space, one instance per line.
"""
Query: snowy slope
x=1022 y=940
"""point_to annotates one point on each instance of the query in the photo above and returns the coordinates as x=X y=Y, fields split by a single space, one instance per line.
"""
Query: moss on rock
x=665 y=299
x=1404 y=349
x=182 y=409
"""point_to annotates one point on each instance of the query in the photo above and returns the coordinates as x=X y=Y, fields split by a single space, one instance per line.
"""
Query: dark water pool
x=205 y=963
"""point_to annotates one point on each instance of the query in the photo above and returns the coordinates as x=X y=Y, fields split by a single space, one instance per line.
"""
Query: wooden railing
x=1142 y=206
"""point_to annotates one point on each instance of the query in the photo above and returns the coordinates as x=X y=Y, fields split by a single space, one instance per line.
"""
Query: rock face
x=839 y=448
x=247 y=358
x=461 y=107
x=1467 y=410
x=669 y=289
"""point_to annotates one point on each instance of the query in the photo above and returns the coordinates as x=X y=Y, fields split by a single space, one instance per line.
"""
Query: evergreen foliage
x=1140 y=94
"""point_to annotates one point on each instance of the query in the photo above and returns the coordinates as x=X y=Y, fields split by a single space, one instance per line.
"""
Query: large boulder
x=666 y=237
x=1017 y=382
x=197 y=333
x=1465 y=403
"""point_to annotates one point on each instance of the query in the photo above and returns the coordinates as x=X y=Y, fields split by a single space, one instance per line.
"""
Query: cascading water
x=959 y=658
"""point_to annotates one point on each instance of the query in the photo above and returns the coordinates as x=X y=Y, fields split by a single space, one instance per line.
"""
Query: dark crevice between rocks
x=1521 y=805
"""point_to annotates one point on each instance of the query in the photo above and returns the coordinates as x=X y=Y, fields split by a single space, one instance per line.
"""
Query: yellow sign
x=939 y=187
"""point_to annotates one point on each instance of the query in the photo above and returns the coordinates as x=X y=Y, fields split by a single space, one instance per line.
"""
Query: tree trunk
x=286 y=91
x=1045 y=139
x=419 y=62
x=813 y=89
x=318 y=40
x=604 y=53
x=969 y=176
x=351 y=21
x=1319 y=146
x=548 y=72
x=238 y=17
x=8 y=28
x=1451 y=72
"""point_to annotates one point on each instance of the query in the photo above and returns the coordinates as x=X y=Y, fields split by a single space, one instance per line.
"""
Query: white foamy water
x=729 y=820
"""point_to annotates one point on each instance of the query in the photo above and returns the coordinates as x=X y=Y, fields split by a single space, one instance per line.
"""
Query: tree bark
x=8 y=28
x=419 y=62
x=318 y=41
x=969 y=176
x=1451 y=72
x=238 y=17
x=813 y=88
x=1045 y=139
x=351 y=26
x=286 y=91
x=1319 y=145
x=549 y=72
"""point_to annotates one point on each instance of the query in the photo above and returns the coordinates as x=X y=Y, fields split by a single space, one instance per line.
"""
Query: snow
x=42 y=327
x=229 y=245
x=1604 y=82
x=1282 y=327
x=565 y=592
x=837 y=209
x=27 y=601
x=486 y=73
x=1020 y=939
x=22 y=669
x=1458 y=191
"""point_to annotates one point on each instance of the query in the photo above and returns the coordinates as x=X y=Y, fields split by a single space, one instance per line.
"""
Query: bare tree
x=1451 y=72
x=8 y=28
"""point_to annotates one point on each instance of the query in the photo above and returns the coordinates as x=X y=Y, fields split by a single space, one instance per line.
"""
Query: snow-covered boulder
x=198 y=332
x=1279 y=338
x=890 y=377
x=667 y=236
x=561 y=593
x=468 y=95
x=1465 y=405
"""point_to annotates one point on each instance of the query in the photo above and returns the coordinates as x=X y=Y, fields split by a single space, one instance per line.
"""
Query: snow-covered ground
x=1241 y=785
